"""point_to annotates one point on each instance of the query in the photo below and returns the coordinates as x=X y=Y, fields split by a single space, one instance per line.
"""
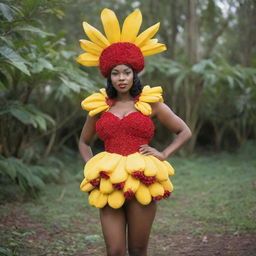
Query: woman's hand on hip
x=147 y=150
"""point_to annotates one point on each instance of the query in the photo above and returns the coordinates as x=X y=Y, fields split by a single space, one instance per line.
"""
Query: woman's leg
x=113 y=223
x=140 y=219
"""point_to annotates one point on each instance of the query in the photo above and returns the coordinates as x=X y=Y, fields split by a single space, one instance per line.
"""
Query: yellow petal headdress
x=119 y=46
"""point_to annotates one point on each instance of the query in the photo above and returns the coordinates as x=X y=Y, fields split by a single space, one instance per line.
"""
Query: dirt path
x=29 y=237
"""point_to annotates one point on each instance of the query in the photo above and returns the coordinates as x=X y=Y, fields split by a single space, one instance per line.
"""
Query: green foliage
x=30 y=178
x=37 y=71
x=199 y=93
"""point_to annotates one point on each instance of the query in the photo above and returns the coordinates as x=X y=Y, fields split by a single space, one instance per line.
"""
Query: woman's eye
x=128 y=73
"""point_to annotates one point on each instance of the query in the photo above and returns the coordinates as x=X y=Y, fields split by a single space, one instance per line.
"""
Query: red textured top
x=124 y=136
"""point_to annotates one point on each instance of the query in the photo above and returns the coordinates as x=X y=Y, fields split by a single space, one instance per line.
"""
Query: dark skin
x=133 y=216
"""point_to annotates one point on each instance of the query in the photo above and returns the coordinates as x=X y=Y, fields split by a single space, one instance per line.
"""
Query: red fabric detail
x=95 y=182
x=146 y=180
x=167 y=193
x=118 y=186
x=104 y=175
x=121 y=53
x=137 y=175
x=124 y=136
x=110 y=102
x=137 y=98
x=157 y=198
x=129 y=194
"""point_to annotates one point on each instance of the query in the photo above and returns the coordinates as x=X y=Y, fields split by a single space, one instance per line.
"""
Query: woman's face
x=122 y=78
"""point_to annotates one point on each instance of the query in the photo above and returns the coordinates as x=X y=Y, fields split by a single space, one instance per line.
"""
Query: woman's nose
x=121 y=76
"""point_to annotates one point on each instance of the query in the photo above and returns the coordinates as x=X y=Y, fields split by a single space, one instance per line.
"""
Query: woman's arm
x=86 y=137
x=175 y=124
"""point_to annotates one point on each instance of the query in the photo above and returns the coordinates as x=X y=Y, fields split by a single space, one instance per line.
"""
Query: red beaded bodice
x=124 y=136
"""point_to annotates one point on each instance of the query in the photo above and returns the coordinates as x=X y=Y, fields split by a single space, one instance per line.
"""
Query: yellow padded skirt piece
x=129 y=174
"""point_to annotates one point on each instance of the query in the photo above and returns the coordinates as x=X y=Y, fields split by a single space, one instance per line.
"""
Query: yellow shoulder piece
x=148 y=95
x=96 y=103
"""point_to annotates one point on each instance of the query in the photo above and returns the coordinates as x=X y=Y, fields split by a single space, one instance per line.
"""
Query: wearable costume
x=121 y=172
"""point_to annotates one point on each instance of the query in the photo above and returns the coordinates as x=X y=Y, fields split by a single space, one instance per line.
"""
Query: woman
x=128 y=178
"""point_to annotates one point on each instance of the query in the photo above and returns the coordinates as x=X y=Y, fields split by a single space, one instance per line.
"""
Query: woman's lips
x=122 y=86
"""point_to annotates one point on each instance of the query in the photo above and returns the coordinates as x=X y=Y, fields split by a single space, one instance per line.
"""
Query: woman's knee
x=115 y=251
x=138 y=250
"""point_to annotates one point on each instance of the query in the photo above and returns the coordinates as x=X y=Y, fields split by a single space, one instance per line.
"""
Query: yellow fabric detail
x=150 y=168
x=135 y=162
x=170 y=169
x=90 y=47
x=131 y=183
x=101 y=201
x=86 y=186
x=119 y=174
x=147 y=34
x=88 y=59
x=93 y=197
x=152 y=49
x=111 y=26
x=167 y=185
x=106 y=186
x=131 y=26
x=156 y=189
x=95 y=35
x=143 y=195
x=116 y=199
x=96 y=103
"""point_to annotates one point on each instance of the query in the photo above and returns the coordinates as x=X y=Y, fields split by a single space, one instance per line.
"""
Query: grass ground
x=211 y=212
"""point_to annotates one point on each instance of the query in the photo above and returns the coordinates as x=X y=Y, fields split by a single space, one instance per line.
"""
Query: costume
x=121 y=172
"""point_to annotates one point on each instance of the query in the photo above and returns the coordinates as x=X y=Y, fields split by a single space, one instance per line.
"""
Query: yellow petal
x=156 y=189
x=98 y=110
x=150 y=42
x=131 y=183
x=93 y=196
x=131 y=27
x=147 y=90
x=119 y=174
x=95 y=35
x=86 y=186
x=152 y=49
x=106 y=186
x=167 y=185
x=135 y=162
x=170 y=169
x=93 y=105
x=150 y=169
x=88 y=59
x=116 y=199
x=109 y=162
x=101 y=201
x=150 y=98
x=111 y=25
x=103 y=92
x=90 y=47
x=94 y=97
x=143 y=107
x=90 y=165
x=143 y=195
x=147 y=34
x=161 y=173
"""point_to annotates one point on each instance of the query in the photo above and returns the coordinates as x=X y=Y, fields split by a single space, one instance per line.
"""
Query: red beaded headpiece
x=119 y=47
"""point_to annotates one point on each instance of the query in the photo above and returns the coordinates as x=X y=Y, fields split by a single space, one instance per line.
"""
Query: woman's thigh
x=140 y=219
x=113 y=223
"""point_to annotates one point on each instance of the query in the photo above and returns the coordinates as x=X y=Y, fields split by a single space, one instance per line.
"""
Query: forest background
x=208 y=75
